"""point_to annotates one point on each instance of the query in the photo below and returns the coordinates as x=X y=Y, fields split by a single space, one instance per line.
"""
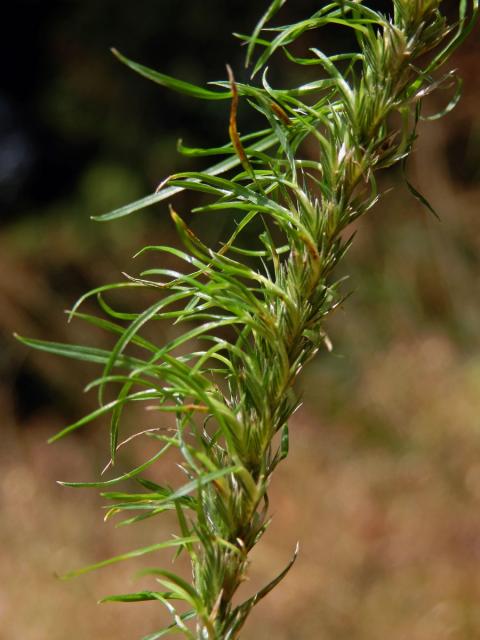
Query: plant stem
x=364 y=127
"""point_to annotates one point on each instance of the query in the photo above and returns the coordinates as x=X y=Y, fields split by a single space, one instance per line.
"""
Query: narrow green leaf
x=168 y=192
x=274 y=7
x=417 y=195
x=141 y=596
x=202 y=481
x=133 y=397
x=173 y=628
x=172 y=83
x=176 y=583
x=131 y=554
x=126 y=476
x=79 y=352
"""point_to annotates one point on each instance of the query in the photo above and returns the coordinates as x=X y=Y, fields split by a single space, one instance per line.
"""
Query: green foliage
x=254 y=315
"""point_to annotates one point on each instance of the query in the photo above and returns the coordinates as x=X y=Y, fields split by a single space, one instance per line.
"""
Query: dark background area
x=383 y=484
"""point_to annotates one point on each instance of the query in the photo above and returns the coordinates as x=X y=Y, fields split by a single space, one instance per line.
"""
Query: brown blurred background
x=382 y=487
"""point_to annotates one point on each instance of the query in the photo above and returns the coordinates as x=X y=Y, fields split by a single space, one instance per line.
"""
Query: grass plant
x=254 y=313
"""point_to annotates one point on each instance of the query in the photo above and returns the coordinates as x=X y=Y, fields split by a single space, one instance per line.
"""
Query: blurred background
x=382 y=487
